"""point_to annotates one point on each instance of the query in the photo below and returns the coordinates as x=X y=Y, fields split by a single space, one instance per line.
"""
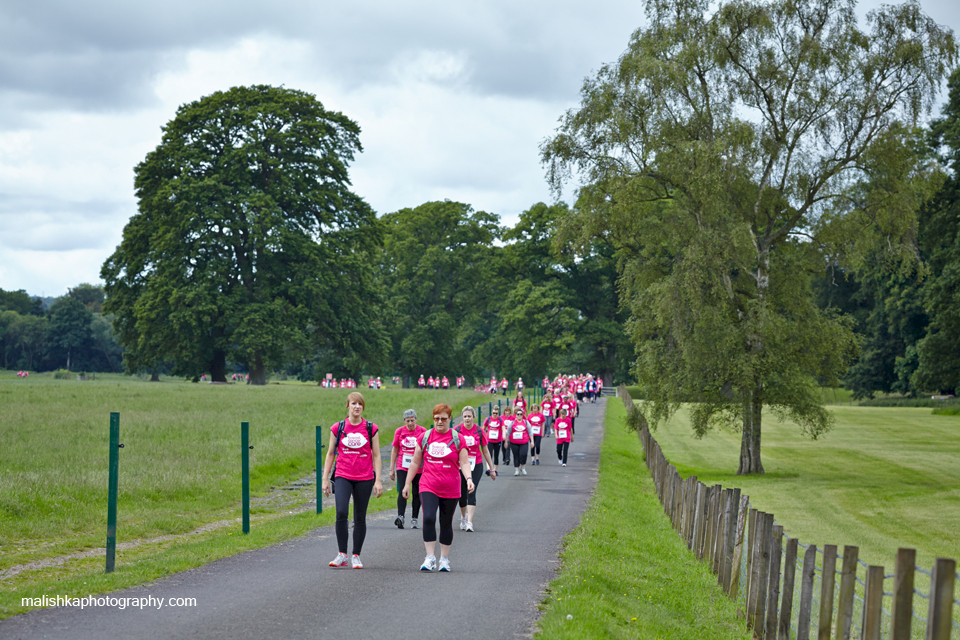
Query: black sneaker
x=399 y=522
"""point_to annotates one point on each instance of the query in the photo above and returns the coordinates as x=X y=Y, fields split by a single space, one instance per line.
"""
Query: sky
x=454 y=99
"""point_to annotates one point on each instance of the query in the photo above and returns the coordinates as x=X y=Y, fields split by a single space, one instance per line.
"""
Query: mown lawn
x=883 y=478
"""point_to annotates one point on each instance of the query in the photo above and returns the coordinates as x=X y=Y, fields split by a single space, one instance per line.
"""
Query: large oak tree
x=248 y=244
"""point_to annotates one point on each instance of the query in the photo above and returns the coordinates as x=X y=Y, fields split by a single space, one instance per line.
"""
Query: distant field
x=883 y=478
x=180 y=466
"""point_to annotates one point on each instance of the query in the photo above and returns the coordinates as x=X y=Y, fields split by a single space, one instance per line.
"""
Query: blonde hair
x=470 y=409
x=356 y=396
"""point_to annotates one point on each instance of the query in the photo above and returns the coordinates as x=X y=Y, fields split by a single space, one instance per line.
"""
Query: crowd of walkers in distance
x=439 y=469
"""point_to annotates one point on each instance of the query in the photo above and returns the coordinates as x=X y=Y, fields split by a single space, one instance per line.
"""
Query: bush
x=902 y=401
x=62 y=374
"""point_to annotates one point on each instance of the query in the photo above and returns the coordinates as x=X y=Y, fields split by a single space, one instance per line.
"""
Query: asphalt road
x=498 y=575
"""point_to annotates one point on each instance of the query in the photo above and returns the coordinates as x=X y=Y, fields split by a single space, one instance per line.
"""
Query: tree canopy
x=712 y=155
x=248 y=242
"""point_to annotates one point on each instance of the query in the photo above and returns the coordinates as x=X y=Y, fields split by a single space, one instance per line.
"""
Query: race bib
x=536 y=429
x=473 y=463
x=561 y=433
x=406 y=461
x=494 y=434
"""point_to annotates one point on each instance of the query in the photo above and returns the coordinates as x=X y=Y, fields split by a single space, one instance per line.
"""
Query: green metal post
x=490 y=407
x=245 y=473
x=112 y=481
x=498 y=406
x=319 y=469
x=480 y=414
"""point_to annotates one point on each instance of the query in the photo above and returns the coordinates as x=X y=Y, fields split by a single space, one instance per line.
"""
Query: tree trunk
x=155 y=376
x=218 y=366
x=258 y=373
x=750 y=439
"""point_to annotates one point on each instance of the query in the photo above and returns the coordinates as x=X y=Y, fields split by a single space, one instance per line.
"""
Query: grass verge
x=625 y=572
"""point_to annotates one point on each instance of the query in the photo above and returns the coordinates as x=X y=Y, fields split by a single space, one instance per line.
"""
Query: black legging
x=494 y=449
x=431 y=502
x=471 y=497
x=562 y=448
x=360 y=490
x=535 y=447
x=415 y=489
x=506 y=452
x=519 y=451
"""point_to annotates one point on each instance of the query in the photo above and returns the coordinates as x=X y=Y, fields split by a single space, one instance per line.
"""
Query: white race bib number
x=407 y=460
x=536 y=429
x=494 y=434
x=562 y=433
x=473 y=463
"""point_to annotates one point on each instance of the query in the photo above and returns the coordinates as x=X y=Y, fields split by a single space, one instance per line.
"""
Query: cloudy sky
x=453 y=98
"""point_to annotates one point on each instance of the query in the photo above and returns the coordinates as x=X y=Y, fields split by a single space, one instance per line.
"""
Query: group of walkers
x=437 y=469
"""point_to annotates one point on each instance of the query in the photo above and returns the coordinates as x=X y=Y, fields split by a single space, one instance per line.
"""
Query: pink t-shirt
x=520 y=402
x=518 y=432
x=354 y=451
x=536 y=421
x=494 y=429
x=472 y=440
x=547 y=407
x=405 y=441
x=441 y=465
x=563 y=430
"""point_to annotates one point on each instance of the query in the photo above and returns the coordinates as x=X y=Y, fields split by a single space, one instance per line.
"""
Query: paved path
x=287 y=591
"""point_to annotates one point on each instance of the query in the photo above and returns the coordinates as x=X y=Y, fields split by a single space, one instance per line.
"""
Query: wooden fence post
x=942 y=582
x=871 y=628
x=848 y=585
x=789 y=577
x=763 y=575
x=773 y=592
x=901 y=616
x=729 y=536
x=753 y=564
x=828 y=580
x=701 y=520
x=735 y=577
x=748 y=549
x=718 y=535
x=808 y=572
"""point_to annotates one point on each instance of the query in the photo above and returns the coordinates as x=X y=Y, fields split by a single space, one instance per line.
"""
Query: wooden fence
x=757 y=564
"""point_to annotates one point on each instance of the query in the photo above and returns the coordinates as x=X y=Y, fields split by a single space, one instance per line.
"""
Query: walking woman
x=537 y=421
x=404 y=444
x=564 y=429
x=474 y=440
x=443 y=459
x=519 y=436
x=355 y=443
x=493 y=427
x=507 y=421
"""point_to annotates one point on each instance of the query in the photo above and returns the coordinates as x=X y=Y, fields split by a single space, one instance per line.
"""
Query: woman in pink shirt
x=538 y=423
x=443 y=458
x=356 y=445
x=474 y=440
x=493 y=428
x=518 y=434
x=564 y=430
x=404 y=444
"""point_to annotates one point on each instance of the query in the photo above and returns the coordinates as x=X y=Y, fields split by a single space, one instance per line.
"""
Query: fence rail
x=790 y=590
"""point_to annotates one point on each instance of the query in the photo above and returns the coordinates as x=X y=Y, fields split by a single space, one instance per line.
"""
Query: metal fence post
x=319 y=469
x=245 y=473
x=112 y=482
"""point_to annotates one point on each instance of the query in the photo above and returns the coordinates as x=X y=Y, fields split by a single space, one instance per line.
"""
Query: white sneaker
x=355 y=562
x=444 y=564
x=413 y=523
x=468 y=526
x=523 y=471
x=564 y=464
x=463 y=524
x=429 y=563
x=516 y=472
x=339 y=561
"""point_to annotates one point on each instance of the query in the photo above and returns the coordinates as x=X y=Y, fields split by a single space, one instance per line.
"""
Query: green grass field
x=625 y=572
x=883 y=478
x=179 y=468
